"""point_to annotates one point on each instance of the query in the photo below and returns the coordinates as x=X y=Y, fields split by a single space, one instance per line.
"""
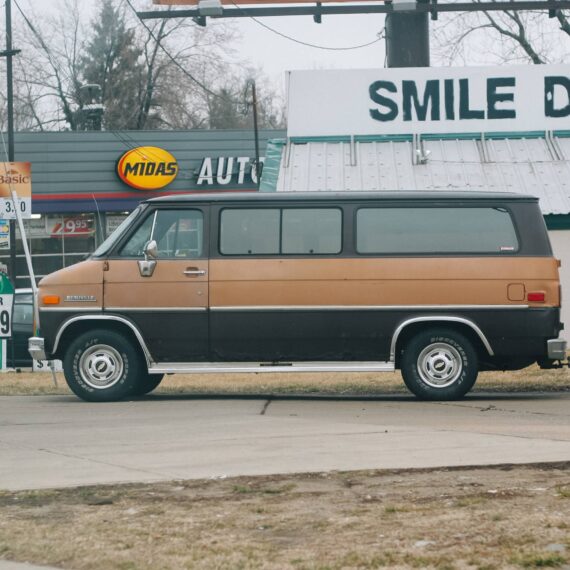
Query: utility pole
x=9 y=54
x=258 y=165
x=407 y=35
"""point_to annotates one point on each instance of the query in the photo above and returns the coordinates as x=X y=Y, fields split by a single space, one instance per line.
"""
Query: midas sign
x=147 y=168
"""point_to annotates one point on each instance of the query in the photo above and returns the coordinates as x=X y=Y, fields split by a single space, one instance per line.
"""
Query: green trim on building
x=383 y=138
x=270 y=172
x=331 y=139
x=498 y=135
x=517 y=135
x=557 y=221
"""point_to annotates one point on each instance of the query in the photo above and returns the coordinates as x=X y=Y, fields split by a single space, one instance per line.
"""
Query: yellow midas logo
x=147 y=168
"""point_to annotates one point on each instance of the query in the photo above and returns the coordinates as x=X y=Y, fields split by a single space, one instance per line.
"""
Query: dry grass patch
x=488 y=518
x=356 y=383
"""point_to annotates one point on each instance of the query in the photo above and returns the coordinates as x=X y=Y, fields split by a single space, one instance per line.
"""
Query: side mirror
x=151 y=250
x=146 y=267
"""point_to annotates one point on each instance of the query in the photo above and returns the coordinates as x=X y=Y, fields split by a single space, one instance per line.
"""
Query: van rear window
x=435 y=230
x=281 y=231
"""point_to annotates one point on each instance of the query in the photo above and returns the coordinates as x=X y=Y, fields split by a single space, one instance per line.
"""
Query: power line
x=123 y=137
x=177 y=64
x=303 y=43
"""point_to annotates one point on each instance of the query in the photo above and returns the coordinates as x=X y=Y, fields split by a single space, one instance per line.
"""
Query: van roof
x=255 y=196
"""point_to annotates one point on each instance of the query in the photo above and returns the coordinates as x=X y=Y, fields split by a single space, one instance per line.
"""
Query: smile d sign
x=147 y=168
x=405 y=101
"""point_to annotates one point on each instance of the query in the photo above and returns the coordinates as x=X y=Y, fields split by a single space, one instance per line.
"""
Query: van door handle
x=194 y=272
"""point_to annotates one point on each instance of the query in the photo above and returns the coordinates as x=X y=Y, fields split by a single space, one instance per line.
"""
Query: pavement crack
x=265 y=406
x=82 y=458
x=511 y=435
x=493 y=408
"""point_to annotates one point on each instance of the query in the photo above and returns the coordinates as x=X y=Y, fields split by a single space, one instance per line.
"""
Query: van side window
x=312 y=231
x=287 y=231
x=178 y=234
x=249 y=232
x=135 y=244
x=435 y=230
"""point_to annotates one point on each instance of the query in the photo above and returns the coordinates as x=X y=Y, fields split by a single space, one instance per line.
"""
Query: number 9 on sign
x=5 y=324
x=6 y=303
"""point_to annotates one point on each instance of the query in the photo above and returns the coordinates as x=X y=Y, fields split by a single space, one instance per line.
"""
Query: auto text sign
x=6 y=306
x=15 y=176
x=428 y=100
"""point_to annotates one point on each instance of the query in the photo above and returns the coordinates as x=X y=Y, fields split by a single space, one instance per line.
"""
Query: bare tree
x=47 y=76
x=176 y=52
x=231 y=105
x=502 y=37
x=151 y=75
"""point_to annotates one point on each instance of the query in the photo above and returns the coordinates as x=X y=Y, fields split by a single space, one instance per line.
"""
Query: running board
x=221 y=367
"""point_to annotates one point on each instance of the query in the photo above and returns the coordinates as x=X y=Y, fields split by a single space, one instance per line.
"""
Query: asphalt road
x=54 y=441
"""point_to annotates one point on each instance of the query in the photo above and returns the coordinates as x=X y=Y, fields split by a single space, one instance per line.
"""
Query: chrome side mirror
x=147 y=266
x=151 y=250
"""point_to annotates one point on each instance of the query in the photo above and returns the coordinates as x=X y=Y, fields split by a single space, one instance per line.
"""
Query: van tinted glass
x=249 y=232
x=312 y=231
x=288 y=231
x=135 y=244
x=435 y=230
x=178 y=233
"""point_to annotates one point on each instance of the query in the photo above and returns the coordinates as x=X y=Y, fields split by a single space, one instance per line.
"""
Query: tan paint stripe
x=411 y=281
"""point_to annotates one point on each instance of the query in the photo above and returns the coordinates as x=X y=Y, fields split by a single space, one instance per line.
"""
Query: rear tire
x=146 y=384
x=102 y=366
x=439 y=364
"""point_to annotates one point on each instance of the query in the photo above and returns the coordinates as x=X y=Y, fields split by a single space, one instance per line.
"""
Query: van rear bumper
x=36 y=348
x=556 y=348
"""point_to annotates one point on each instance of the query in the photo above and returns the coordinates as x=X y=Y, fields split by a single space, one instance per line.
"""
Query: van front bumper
x=36 y=348
x=556 y=348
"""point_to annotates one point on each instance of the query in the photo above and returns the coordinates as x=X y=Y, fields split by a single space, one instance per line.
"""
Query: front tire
x=146 y=384
x=439 y=364
x=102 y=366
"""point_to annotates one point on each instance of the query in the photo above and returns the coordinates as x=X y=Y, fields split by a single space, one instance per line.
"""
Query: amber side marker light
x=50 y=299
x=536 y=296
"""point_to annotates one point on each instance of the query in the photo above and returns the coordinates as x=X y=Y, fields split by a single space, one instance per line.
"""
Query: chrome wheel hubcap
x=101 y=366
x=439 y=365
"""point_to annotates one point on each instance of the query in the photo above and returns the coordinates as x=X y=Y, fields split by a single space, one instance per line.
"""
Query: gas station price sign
x=16 y=176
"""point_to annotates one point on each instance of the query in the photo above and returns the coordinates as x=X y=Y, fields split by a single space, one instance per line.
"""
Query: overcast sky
x=276 y=54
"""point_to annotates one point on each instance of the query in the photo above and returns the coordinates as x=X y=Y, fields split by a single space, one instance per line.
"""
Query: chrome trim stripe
x=296 y=308
x=157 y=309
x=363 y=307
x=68 y=309
x=138 y=335
x=438 y=318
x=221 y=367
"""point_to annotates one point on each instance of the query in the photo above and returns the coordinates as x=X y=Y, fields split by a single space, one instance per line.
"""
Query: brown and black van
x=439 y=285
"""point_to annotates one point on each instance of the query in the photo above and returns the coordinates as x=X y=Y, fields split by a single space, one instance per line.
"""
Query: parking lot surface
x=55 y=441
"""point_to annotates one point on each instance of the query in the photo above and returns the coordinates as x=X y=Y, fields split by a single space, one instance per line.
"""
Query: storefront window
x=55 y=241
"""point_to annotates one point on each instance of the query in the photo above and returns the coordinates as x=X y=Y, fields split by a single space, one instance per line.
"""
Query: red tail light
x=536 y=296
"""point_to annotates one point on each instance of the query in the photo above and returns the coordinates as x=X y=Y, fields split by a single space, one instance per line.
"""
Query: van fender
x=438 y=319
x=116 y=318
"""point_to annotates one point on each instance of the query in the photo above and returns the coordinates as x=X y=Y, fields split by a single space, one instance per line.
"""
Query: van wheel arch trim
x=115 y=318
x=436 y=320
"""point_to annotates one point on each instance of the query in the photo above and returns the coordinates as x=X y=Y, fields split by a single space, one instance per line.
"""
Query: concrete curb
x=8 y=565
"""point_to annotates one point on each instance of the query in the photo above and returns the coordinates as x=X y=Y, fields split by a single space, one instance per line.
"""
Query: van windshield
x=116 y=235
